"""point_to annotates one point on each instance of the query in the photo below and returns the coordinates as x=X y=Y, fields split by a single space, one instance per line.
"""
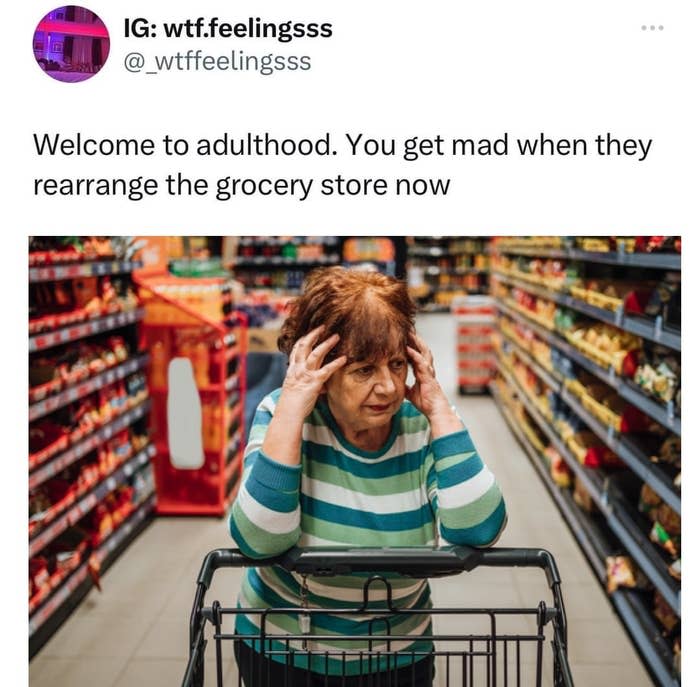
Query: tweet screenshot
x=354 y=342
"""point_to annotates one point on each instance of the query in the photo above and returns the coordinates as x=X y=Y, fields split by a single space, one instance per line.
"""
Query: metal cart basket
x=482 y=653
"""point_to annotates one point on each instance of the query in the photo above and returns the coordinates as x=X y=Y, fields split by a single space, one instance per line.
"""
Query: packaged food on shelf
x=606 y=345
x=649 y=502
x=558 y=469
x=39 y=580
x=607 y=405
x=675 y=569
x=61 y=303
x=630 y=297
x=664 y=614
x=65 y=553
x=658 y=244
x=658 y=372
x=623 y=572
x=666 y=530
x=582 y=496
x=665 y=300
x=591 y=452
x=598 y=244
x=550 y=273
x=565 y=319
x=668 y=452
x=46 y=439
x=561 y=363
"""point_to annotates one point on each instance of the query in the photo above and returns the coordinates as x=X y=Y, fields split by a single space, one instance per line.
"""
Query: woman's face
x=364 y=395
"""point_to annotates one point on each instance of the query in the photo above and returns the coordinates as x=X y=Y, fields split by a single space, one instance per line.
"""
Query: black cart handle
x=409 y=561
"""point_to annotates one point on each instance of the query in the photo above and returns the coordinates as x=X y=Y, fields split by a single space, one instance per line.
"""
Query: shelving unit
x=619 y=527
x=281 y=262
x=474 y=318
x=662 y=261
x=214 y=338
x=650 y=330
x=91 y=487
x=441 y=268
x=594 y=542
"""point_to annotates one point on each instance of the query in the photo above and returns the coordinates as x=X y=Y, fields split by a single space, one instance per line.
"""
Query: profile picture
x=71 y=43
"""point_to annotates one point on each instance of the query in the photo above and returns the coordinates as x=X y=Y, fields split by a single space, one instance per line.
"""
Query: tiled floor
x=135 y=632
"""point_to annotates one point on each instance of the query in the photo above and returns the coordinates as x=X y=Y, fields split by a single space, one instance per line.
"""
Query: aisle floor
x=135 y=632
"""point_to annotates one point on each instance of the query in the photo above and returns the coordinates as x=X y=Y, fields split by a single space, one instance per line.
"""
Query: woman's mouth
x=380 y=409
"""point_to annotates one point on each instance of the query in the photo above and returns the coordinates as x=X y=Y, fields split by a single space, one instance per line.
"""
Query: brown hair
x=371 y=312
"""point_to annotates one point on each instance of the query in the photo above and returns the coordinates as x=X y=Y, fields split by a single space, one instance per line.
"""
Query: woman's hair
x=372 y=313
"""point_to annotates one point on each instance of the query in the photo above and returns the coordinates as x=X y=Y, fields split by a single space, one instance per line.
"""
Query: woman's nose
x=384 y=382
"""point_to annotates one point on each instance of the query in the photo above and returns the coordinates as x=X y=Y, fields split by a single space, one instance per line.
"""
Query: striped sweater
x=344 y=496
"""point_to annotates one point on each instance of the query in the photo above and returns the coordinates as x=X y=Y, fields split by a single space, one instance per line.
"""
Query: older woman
x=345 y=453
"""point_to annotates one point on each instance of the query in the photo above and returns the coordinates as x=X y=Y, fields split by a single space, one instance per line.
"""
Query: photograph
x=71 y=43
x=266 y=460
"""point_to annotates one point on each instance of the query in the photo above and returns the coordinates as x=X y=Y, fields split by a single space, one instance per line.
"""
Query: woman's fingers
x=326 y=372
x=422 y=347
x=316 y=356
x=421 y=366
x=303 y=346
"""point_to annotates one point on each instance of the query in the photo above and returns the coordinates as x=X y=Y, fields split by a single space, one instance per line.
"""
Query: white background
x=394 y=69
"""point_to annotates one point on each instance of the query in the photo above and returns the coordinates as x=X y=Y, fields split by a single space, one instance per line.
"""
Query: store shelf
x=43 y=471
x=73 y=393
x=664 y=414
x=87 y=502
x=283 y=261
x=107 y=550
x=637 y=461
x=427 y=251
x=551 y=378
x=636 y=616
x=612 y=507
x=661 y=261
x=45 y=340
x=590 y=541
x=647 y=636
x=628 y=452
x=83 y=269
x=281 y=241
x=592 y=480
x=652 y=330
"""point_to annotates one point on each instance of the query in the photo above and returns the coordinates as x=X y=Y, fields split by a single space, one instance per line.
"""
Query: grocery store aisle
x=135 y=631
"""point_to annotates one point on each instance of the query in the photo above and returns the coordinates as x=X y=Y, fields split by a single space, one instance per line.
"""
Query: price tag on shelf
x=73 y=333
x=111 y=484
x=658 y=328
x=610 y=434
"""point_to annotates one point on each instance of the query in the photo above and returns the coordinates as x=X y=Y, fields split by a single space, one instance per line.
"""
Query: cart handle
x=409 y=561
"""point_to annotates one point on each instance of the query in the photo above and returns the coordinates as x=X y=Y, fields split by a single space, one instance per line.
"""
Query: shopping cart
x=482 y=653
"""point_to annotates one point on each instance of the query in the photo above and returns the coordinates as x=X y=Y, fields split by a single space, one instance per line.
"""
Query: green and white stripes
x=344 y=496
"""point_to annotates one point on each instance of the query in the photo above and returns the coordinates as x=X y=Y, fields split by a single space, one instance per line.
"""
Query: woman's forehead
x=377 y=356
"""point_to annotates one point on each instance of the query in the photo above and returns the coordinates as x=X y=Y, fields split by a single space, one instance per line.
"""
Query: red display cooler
x=192 y=319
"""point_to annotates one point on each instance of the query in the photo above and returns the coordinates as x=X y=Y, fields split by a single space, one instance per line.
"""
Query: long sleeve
x=265 y=517
x=463 y=492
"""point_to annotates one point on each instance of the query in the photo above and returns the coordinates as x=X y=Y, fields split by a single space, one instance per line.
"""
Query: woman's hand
x=302 y=385
x=427 y=394
x=305 y=376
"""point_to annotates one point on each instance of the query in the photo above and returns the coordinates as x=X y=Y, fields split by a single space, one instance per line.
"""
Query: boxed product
x=623 y=572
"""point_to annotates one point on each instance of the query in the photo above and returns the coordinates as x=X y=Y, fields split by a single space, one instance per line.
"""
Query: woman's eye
x=364 y=371
x=398 y=364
